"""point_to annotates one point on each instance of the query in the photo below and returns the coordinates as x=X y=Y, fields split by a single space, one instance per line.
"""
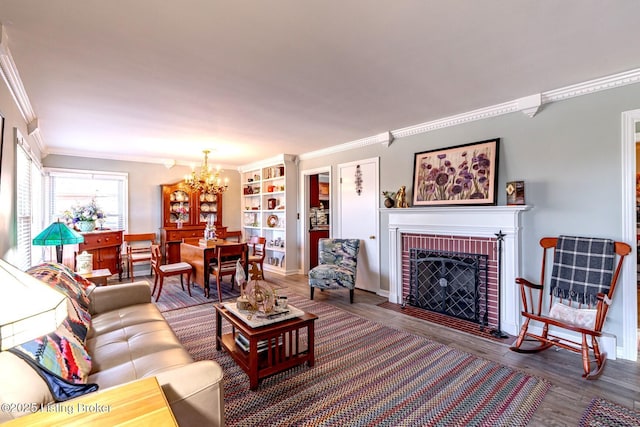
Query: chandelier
x=205 y=179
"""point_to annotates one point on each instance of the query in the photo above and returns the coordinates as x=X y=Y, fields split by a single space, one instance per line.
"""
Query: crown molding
x=280 y=158
x=166 y=162
x=529 y=105
x=12 y=79
x=592 y=86
x=358 y=143
x=105 y=156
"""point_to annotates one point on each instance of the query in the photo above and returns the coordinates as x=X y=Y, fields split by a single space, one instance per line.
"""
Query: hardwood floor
x=570 y=393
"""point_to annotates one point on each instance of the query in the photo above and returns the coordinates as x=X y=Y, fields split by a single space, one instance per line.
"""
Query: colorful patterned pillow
x=61 y=277
x=73 y=286
x=61 y=357
x=61 y=360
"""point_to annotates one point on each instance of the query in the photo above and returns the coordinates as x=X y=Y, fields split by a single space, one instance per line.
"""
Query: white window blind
x=68 y=188
x=28 y=208
x=23 y=208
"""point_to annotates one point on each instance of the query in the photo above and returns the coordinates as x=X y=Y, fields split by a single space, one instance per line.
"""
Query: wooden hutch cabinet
x=105 y=246
x=185 y=214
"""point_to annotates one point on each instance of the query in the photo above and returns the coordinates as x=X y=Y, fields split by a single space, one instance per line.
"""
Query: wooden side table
x=140 y=402
x=105 y=246
x=284 y=348
x=99 y=277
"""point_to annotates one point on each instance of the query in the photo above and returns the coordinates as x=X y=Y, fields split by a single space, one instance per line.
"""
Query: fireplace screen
x=452 y=283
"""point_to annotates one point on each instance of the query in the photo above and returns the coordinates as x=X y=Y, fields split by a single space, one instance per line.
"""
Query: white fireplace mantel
x=481 y=221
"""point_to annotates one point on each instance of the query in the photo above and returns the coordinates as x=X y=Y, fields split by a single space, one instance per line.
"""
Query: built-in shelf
x=268 y=201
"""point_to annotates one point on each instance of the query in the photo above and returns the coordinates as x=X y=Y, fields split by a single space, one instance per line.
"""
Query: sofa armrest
x=195 y=393
x=112 y=297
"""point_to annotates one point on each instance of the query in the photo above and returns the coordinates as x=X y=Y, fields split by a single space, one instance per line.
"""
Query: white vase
x=85 y=226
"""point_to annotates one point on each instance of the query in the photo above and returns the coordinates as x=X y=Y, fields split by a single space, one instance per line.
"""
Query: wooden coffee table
x=281 y=345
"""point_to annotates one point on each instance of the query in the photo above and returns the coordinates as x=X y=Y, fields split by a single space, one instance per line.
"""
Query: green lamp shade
x=58 y=233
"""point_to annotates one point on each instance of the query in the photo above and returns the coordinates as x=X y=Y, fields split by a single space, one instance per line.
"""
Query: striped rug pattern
x=602 y=413
x=173 y=297
x=366 y=374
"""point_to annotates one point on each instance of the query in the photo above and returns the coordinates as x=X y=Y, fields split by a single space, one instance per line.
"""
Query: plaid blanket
x=582 y=267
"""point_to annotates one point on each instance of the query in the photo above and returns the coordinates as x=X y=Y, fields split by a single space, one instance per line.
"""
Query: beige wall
x=144 y=188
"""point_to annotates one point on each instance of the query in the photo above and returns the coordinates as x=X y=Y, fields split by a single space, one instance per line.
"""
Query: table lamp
x=58 y=234
x=28 y=307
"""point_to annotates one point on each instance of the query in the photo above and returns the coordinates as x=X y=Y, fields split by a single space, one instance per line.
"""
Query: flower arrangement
x=88 y=212
x=182 y=213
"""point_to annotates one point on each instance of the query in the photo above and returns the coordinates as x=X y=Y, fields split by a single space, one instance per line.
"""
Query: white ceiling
x=252 y=79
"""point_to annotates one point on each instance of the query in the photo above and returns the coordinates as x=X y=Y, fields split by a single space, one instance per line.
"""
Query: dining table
x=200 y=256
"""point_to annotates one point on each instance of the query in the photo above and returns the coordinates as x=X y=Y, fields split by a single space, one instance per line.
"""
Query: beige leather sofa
x=128 y=340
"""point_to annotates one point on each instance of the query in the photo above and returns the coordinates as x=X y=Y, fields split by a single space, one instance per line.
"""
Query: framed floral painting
x=461 y=175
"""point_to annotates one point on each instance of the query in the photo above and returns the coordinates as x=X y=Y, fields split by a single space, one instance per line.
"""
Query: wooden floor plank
x=570 y=394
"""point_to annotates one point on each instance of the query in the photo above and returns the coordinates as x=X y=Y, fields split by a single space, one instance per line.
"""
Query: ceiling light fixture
x=206 y=180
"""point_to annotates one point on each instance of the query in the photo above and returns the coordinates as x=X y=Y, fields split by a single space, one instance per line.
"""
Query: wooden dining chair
x=257 y=253
x=138 y=250
x=167 y=270
x=224 y=262
x=581 y=287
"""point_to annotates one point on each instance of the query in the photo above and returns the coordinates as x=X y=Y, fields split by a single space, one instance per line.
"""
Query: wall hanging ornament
x=358 y=180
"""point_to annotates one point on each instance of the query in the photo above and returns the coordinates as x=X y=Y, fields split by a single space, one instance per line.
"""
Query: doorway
x=637 y=193
x=630 y=312
x=316 y=219
x=318 y=213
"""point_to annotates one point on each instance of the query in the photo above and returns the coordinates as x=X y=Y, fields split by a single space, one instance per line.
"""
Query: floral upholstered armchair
x=337 y=265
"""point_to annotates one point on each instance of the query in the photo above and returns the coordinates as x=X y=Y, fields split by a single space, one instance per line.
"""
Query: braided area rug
x=602 y=413
x=366 y=374
x=173 y=297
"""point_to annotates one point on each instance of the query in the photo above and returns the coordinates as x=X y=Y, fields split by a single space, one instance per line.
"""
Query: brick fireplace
x=486 y=296
x=461 y=229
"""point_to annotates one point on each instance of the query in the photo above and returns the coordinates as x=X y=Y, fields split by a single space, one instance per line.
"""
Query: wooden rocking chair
x=581 y=287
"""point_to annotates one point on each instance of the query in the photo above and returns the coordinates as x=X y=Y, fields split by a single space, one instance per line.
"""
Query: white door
x=358 y=217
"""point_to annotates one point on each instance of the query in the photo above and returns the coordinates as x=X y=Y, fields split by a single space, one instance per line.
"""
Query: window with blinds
x=28 y=208
x=68 y=188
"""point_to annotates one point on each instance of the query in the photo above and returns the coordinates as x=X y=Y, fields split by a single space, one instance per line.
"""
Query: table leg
x=206 y=276
x=253 y=364
x=311 y=345
x=218 y=330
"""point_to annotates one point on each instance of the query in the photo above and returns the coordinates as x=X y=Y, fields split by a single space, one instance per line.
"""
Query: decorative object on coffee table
x=261 y=296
